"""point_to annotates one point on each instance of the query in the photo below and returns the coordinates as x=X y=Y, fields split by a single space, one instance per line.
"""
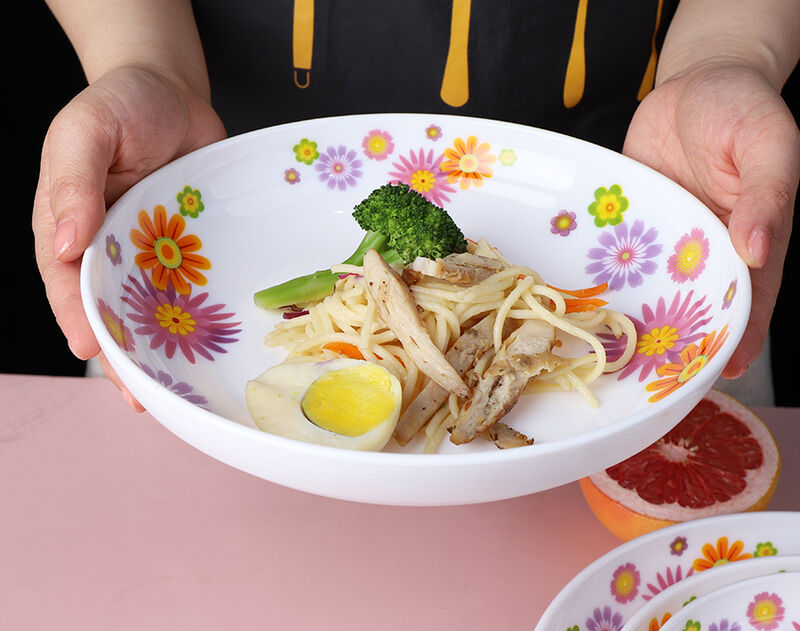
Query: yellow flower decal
x=608 y=206
x=720 y=554
x=190 y=202
x=467 y=162
x=306 y=151
x=693 y=359
x=657 y=341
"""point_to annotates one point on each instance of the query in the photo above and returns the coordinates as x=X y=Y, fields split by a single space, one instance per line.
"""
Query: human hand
x=122 y=127
x=722 y=131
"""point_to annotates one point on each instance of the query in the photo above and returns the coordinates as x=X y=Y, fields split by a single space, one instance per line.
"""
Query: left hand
x=722 y=131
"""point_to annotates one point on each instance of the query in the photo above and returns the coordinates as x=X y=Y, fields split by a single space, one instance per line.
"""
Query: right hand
x=122 y=127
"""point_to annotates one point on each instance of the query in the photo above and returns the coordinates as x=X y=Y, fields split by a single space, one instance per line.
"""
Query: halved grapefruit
x=720 y=458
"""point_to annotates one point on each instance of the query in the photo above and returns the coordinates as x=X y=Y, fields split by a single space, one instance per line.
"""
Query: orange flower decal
x=467 y=162
x=655 y=625
x=720 y=554
x=693 y=359
x=169 y=253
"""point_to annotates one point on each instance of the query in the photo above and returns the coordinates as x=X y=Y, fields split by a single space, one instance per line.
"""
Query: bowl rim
x=132 y=371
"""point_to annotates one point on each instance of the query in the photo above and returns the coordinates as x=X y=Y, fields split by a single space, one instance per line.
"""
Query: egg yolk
x=350 y=401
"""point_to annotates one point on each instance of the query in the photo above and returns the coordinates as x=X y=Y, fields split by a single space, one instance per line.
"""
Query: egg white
x=274 y=400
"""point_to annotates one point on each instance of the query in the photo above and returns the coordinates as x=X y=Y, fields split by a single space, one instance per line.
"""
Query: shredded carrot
x=575 y=305
x=583 y=293
x=343 y=348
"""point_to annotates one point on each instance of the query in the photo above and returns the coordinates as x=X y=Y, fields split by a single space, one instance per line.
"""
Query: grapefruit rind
x=626 y=515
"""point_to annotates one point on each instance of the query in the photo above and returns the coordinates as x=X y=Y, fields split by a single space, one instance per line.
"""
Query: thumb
x=80 y=150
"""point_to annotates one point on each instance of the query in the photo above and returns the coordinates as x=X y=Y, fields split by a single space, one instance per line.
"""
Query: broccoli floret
x=415 y=226
x=400 y=224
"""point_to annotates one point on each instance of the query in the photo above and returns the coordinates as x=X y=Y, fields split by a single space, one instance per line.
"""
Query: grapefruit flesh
x=719 y=459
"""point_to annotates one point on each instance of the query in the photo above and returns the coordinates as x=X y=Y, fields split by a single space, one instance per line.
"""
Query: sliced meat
x=462 y=355
x=459 y=269
x=396 y=307
x=526 y=354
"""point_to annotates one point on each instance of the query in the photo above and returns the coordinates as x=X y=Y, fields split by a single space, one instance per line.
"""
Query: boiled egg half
x=347 y=403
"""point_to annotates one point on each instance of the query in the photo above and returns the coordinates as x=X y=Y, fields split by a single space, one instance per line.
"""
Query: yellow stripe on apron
x=302 y=41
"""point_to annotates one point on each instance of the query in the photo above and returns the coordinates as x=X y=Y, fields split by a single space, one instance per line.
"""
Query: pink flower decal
x=422 y=172
x=177 y=321
x=378 y=144
x=662 y=333
x=625 y=583
x=689 y=259
x=563 y=223
x=291 y=175
x=766 y=611
x=666 y=580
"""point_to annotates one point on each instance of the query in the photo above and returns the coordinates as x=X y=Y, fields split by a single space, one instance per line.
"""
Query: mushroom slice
x=505 y=437
x=526 y=354
x=396 y=307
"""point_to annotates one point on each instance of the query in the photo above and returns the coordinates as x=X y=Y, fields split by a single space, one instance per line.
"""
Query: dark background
x=45 y=74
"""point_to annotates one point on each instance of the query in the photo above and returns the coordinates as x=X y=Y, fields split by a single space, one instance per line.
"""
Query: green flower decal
x=765 y=549
x=608 y=206
x=690 y=600
x=507 y=157
x=691 y=625
x=190 y=202
x=575 y=628
x=306 y=151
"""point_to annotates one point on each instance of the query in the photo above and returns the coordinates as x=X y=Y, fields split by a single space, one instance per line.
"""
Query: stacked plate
x=735 y=572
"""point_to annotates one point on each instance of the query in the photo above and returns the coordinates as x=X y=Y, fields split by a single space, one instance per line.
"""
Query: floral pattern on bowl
x=613 y=590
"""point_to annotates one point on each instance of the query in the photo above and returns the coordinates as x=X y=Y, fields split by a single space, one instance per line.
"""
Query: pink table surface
x=108 y=521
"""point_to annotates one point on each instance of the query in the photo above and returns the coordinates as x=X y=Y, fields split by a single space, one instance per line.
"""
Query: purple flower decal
x=292 y=176
x=669 y=578
x=604 y=620
x=113 y=250
x=182 y=389
x=689 y=259
x=339 y=167
x=724 y=625
x=662 y=334
x=727 y=299
x=422 y=172
x=625 y=583
x=678 y=546
x=625 y=256
x=563 y=223
x=175 y=321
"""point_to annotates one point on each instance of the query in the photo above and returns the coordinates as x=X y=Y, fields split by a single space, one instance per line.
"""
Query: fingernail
x=66 y=233
x=758 y=245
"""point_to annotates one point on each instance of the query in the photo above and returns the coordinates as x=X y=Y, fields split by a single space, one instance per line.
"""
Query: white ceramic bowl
x=762 y=603
x=273 y=204
x=666 y=603
x=615 y=587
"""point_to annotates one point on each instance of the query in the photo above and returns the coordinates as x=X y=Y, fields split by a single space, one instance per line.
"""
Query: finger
x=114 y=378
x=61 y=279
x=81 y=144
x=769 y=169
x=765 y=286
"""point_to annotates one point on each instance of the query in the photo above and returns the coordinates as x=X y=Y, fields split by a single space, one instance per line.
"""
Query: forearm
x=161 y=34
x=759 y=33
